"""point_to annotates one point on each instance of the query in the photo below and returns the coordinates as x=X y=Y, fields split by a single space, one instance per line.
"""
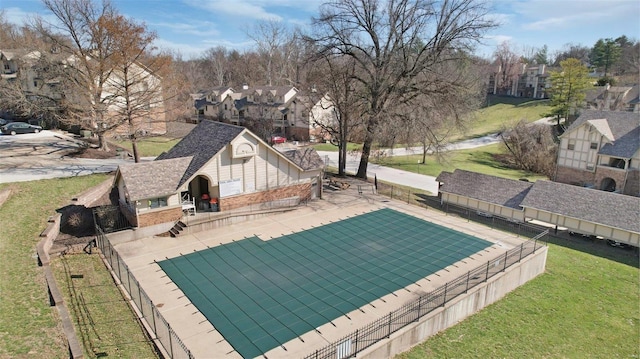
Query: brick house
x=216 y=167
x=601 y=149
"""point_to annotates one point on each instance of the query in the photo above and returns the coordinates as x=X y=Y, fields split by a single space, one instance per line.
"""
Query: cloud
x=194 y=28
x=560 y=14
x=242 y=8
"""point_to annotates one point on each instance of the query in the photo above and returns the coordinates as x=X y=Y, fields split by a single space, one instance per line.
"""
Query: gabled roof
x=203 y=142
x=496 y=190
x=603 y=127
x=607 y=208
x=153 y=179
x=621 y=127
x=307 y=158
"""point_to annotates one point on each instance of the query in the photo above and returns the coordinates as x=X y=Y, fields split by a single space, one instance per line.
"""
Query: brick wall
x=616 y=174
x=302 y=190
x=151 y=218
x=574 y=176
x=632 y=187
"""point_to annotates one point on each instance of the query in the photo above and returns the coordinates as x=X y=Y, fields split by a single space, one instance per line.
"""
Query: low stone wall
x=94 y=193
x=460 y=308
x=56 y=299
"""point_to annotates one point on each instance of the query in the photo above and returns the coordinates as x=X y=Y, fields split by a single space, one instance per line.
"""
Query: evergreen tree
x=568 y=88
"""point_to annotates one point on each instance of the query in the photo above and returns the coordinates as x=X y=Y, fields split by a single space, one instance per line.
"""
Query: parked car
x=3 y=122
x=277 y=139
x=14 y=128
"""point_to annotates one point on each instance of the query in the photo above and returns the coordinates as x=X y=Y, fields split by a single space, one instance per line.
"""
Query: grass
x=150 y=146
x=98 y=308
x=492 y=118
x=329 y=147
x=28 y=325
x=502 y=111
x=479 y=159
x=583 y=306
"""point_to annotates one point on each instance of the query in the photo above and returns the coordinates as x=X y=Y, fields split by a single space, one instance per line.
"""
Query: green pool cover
x=259 y=295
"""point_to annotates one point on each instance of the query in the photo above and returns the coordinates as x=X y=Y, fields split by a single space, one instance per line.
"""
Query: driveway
x=44 y=155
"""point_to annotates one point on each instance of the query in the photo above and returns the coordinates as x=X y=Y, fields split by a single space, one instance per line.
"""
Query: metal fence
x=411 y=312
x=160 y=329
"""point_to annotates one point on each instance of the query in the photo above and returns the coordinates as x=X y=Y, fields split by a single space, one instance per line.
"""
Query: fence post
x=505 y=261
x=444 y=301
x=408 y=197
x=419 y=306
x=486 y=276
x=356 y=351
x=521 y=248
x=468 y=276
x=170 y=340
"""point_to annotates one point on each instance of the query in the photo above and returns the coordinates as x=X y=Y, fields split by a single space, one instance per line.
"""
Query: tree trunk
x=366 y=151
x=103 y=145
x=134 y=146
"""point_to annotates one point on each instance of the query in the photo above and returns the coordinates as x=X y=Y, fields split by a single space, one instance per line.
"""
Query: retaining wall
x=460 y=308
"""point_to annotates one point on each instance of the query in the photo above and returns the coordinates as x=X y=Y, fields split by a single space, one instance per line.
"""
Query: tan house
x=216 y=167
x=614 y=98
x=22 y=66
x=268 y=110
x=601 y=149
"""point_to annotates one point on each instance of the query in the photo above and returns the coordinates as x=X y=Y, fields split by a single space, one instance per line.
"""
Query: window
x=571 y=145
x=158 y=202
x=590 y=166
x=225 y=106
x=594 y=145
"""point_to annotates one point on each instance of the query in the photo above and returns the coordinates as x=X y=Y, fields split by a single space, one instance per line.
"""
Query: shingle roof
x=153 y=179
x=610 y=209
x=306 y=158
x=624 y=128
x=443 y=176
x=203 y=142
x=500 y=191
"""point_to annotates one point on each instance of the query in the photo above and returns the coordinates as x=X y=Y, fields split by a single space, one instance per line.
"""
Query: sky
x=190 y=27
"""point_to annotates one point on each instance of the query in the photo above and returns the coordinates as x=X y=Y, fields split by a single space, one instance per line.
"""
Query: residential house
x=267 y=110
x=614 y=98
x=25 y=67
x=529 y=81
x=601 y=149
x=10 y=66
x=578 y=209
x=532 y=83
x=216 y=163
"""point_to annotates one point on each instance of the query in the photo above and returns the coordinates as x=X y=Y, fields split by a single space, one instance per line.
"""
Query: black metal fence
x=411 y=312
x=160 y=329
x=110 y=219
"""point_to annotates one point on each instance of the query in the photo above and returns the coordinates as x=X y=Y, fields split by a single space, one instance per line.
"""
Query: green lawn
x=583 y=306
x=104 y=322
x=492 y=118
x=29 y=326
x=150 y=146
x=477 y=160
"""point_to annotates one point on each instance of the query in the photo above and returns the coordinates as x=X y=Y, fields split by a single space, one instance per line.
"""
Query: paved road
x=43 y=155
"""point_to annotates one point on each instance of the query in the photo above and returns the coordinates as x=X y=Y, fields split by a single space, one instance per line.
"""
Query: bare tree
x=509 y=67
x=135 y=88
x=215 y=66
x=335 y=94
x=531 y=147
x=394 y=42
x=271 y=38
